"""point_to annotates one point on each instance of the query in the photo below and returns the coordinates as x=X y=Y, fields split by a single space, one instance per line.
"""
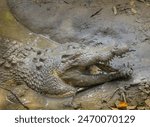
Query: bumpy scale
x=59 y=71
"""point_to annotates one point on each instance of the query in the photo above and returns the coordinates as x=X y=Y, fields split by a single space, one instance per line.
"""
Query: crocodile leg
x=54 y=86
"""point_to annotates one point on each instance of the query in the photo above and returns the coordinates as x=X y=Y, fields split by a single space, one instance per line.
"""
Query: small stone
x=133 y=11
x=113 y=108
x=14 y=42
x=148 y=4
x=115 y=10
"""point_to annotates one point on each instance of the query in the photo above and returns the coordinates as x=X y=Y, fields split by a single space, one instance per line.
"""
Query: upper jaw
x=95 y=73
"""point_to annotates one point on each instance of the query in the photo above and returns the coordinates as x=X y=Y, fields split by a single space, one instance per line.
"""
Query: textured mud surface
x=89 y=22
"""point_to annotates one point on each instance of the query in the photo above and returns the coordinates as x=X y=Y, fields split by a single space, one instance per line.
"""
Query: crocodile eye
x=65 y=56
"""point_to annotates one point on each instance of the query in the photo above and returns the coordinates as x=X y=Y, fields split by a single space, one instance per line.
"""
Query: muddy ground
x=103 y=22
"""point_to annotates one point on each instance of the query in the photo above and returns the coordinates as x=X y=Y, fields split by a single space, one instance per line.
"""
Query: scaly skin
x=59 y=71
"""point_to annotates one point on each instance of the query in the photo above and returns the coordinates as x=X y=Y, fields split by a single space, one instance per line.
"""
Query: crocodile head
x=84 y=66
x=62 y=70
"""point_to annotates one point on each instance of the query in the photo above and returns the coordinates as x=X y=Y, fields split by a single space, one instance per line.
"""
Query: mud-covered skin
x=59 y=71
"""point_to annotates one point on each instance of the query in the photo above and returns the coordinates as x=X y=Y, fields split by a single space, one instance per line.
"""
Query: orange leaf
x=121 y=105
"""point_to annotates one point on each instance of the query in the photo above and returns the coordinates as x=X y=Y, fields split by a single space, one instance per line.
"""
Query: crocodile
x=59 y=71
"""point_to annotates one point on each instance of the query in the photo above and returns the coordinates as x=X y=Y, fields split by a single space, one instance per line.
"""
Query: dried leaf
x=133 y=11
x=132 y=2
x=131 y=107
x=121 y=104
x=148 y=4
x=113 y=108
x=141 y=108
x=147 y=102
x=115 y=10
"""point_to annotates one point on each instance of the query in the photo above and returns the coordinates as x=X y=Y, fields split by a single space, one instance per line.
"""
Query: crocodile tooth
x=112 y=73
x=94 y=70
x=105 y=73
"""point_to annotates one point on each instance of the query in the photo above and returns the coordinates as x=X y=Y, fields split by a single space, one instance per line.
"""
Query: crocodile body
x=59 y=71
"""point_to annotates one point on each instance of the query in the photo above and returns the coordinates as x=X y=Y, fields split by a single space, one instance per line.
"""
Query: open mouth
x=88 y=75
x=100 y=68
